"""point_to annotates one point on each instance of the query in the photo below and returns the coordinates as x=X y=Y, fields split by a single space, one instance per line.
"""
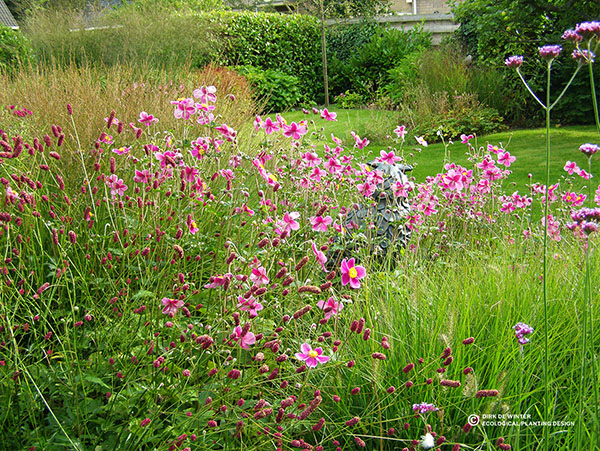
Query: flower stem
x=545 y=275
x=530 y=91
x=593 y=88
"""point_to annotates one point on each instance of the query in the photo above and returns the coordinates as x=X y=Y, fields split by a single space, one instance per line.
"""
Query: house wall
x=423 y=6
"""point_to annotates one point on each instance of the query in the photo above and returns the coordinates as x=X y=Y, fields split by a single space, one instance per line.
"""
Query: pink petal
x=346 y=279
x=360 y=272
x=301 y=356
x=344 y=266
x=249 y=338
x=355 y=284
x=305 y=348
x=323 y=358
x=312 y=362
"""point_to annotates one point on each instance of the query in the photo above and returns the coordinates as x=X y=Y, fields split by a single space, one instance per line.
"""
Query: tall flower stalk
x=549 y=53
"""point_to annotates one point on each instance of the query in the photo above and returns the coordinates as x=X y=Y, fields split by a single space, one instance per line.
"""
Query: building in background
x=6 y=17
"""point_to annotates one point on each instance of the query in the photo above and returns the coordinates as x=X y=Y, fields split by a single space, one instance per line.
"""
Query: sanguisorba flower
x=311 y=356
x=351 y=274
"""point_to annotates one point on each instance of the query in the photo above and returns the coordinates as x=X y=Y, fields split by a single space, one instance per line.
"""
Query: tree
x=330 y=9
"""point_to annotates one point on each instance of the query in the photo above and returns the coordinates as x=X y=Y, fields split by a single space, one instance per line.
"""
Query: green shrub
x=366 y=71
x=15 y=49
x=406 y=71
x=285 y=43
x=349 y=99
x=344 y=40
x=373 y=61
x=466 y=115
x=274 y=90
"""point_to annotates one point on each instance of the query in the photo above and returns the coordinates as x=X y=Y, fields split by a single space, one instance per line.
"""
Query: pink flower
x=574 y=199
x=259 y=276
x=166 y=157
x=584 y=174
x=257 y=123
x=513 y=61
x=193 y=227
x=244 y=340
x=320 y=223
x=366 y=189
x=333 y=165
x=142 y=176
x=270 y=126
x=171 y=306
x=249 y=305
x=294 y=130
x=358 y=142
x=351 y=274
x=116 y=186
x=327 y=115
x=400 y=131
x=317 y=174
x=331 y=307
x=388 y=157
x=493 y=149
x=311 y=159
x=205 y=94
x=147 y=119
x=122 y=150
x=184 y=108
x=320 y=256
x=421 y=141
x=465 y=139
x=312 y=357
x=506 y=159
x=228 y=132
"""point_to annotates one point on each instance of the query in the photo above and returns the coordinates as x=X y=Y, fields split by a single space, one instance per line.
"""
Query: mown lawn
x=529 y=146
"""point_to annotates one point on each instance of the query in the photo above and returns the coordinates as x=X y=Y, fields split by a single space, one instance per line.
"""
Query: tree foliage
x=492 y=30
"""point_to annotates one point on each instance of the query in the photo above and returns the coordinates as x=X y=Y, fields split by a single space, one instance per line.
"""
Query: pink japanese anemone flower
x=352 y=274
x=312 y=357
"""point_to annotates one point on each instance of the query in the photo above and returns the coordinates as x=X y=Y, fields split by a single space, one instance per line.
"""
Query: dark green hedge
x=287 y=43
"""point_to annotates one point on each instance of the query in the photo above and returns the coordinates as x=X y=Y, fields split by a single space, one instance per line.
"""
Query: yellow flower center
x=194 y=225
x=352 y=273
x=313 y=354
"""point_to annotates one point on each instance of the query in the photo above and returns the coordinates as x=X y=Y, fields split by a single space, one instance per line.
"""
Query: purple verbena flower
x=588 y=29
x=513 y=61
x=522 y=329
x=424 y=408
x=549 y=52
x=572 y=36
x=589 y=149
x=583 y=56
